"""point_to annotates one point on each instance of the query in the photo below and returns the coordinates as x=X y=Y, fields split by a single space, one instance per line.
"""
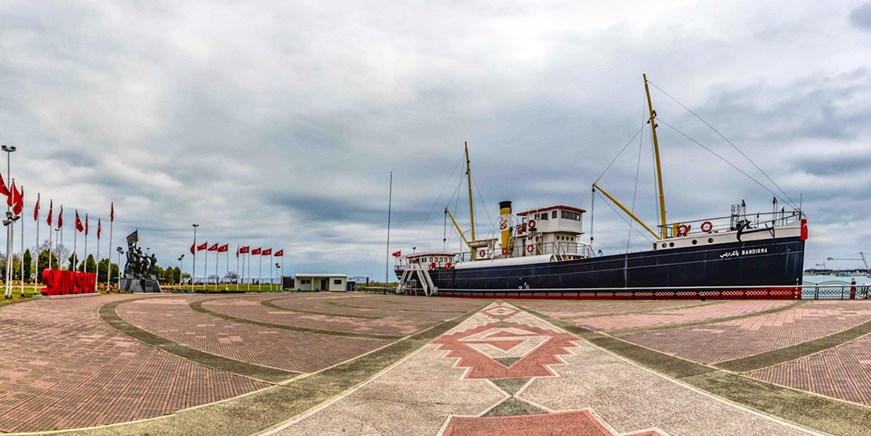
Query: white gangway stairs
x=422 y=274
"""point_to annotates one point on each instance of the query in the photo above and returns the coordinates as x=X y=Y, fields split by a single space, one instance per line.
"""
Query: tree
x=28 y=263
x=74 y=262
x=90 y=264
x=42 y=262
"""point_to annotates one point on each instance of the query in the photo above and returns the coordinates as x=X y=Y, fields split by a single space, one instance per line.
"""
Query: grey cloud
x=861 y=16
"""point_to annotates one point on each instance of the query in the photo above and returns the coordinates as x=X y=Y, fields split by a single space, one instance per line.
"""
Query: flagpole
x=260 y=271
x=111 y=224
x=281 y=279
x=271 y=275
x=75 y=256
x=194 y=250
x=228 y=263
x=237 y=268
x=206 y=269
x=97 y=281
x=36 y=267
x=248 y=285
x=217 y=262
x=22 y=243
x=85 y=262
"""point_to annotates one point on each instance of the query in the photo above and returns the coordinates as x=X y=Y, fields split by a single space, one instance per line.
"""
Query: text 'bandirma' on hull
x=539 y=253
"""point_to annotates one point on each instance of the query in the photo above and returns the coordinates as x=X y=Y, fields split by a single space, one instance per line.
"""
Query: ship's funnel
x=506 y=224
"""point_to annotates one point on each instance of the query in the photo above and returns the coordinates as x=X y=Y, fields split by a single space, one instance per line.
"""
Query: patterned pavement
x=62 y=367
x=172 y=318
x=506 y=371
x=842 y=372
x=503 y=369
x=734 y=339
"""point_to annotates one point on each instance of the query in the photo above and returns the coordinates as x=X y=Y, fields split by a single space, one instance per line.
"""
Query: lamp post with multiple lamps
x=120 y=252
x=179 y=270
x=9 y=149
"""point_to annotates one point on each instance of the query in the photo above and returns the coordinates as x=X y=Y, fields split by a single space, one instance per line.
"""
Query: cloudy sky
x=277 y=123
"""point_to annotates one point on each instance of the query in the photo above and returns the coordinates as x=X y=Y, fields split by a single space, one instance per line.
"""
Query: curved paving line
x=818 y=412
x=270 y=304
x=261 y=373
x=198 y=306
x=662 y=309
x=391 y=302
x=624 y=332
x=774 y=357
x=259 y=410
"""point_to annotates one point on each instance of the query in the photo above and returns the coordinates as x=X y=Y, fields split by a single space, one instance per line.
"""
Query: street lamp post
x=179 y=270
x=120 y=252
x=194 y=268
x=278 y=269
x=9 y=149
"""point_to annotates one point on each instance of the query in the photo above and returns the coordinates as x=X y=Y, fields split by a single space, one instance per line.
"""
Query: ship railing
x=728 y=223
x=560 y=248
x=762 y=292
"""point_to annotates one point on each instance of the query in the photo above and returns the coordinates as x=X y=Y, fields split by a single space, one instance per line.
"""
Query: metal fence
x=835 y=290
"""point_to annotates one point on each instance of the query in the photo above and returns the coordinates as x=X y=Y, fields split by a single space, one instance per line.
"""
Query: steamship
x=539 y=253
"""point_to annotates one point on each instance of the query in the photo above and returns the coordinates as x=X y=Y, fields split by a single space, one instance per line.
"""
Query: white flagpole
x=85 y=262
x=75 y=255
x=260 y=271
x=281 y=279
x=237 y=268
x=248 y=285
x=206 y=268
x=97 y=281
x=217 y=262
x=271 y=275
x=111 y=224
x=22 y=243
x=36 y=267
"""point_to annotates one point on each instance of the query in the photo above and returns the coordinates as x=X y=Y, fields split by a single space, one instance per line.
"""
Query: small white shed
x=321 y=282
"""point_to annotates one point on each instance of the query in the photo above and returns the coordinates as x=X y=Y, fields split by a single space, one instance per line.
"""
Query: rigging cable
x=635 y=191
x=414 y=241
x=720 y=157
x=619 y=154
x=492 y=223
x=729 y=142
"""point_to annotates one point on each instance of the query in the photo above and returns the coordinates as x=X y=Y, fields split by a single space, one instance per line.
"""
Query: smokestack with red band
x=506 y=223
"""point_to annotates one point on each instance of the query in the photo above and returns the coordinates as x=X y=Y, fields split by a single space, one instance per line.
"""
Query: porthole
x=695 y=242
x=710 y=240
x=671 y=244
x=663 y=245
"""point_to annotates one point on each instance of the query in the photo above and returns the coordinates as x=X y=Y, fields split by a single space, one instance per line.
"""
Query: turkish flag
x=99 y=228
x=112 y=212
x=397 y=253
x=214 y=247
x=79 y=226
x=224 y=248
x=4 y=190
x=255 y=251
x=50 y=210
x=244 y=250
x=60 y=218
x=192 y=248
x=203 y=246
x=18 y=201
x=36 y=209
x=266 y=252
x=86 y=225
x=279 y=253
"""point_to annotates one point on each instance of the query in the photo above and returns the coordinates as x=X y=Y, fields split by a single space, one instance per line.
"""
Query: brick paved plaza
x=337 y=363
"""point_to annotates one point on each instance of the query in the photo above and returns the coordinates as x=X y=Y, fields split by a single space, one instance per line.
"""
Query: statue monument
x=140 y=273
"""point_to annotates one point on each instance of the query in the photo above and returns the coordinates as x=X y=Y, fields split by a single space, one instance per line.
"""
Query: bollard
x=853 y=289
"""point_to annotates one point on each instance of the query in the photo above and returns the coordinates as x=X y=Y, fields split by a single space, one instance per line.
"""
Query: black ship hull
x=757 y=269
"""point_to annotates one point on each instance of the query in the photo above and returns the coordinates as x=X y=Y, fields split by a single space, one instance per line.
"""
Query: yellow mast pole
x=652 y=122
x=471 y=204
x=628 y=212
x=457 y=226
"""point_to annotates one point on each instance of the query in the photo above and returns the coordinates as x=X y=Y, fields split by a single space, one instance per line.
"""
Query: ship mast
x=652 y=122
x=471 y=204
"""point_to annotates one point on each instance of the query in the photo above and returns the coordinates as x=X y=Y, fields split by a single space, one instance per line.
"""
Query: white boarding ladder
x=422 y=274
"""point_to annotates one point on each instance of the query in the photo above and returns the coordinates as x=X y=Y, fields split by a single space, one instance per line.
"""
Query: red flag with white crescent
x=79 y=225
x=266 y=252
x=36 y=209
x=99 y=228
x=50 y=210
x=279 y=253
x=255 y=251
